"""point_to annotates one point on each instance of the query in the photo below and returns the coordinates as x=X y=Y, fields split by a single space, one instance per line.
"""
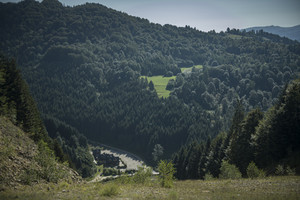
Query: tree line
x=267 y=139
x=20 y=108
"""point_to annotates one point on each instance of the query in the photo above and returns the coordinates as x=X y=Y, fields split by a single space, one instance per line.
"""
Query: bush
x=168 y=74
x=29 y=176
x=124 y=179
x=279 y=170
x=49 y=167
x=166 y=173
x=111 y=172
x=142 y=175
x=229 y=171
x=173 y=195
x=290 y=171
x=109 y=190
x=208 y=176
x=254 y=172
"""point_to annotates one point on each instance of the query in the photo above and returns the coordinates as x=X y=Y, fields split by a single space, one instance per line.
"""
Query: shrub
x=29 y=176
x=254 y=172
x=208 y=176
x=173 y=195
x=229 y=171
x=279 y=170
x=46 y=160
x=109 y=190
x=290 y=172
x=166 y=173
x=111 y=172
x=124 y=179
x=142 y=175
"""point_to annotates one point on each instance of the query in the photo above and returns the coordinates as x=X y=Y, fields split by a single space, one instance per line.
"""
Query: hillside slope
x=22 y=161
x=290 y=32
x=27 y=154
x=269 y=139
x=83 y=65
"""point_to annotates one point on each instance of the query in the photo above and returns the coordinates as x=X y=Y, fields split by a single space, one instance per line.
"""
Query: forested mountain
x=83 y=65
x=290 y=32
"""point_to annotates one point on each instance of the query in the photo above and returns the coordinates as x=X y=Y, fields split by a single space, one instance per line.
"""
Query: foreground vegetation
x=285 y=187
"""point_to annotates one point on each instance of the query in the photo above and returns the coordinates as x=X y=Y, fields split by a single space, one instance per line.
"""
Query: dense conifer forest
x=27 y=153
x=84 y=64
x=268 y=139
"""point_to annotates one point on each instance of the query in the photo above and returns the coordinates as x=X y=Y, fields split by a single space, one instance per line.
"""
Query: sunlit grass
x=287 y=187
x=160 y=84
x=233 y=36
x=188 y=69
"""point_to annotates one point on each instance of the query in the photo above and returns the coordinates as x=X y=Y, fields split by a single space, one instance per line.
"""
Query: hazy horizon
x=206 y=15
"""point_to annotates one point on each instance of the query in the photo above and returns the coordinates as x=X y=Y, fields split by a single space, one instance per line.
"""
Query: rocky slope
x=23 y=162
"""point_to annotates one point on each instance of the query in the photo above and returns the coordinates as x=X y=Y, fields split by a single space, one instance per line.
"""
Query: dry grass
x=267 y=188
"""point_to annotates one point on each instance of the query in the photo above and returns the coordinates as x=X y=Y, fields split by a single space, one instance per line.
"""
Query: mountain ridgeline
x=84 y=66
x=290 y=32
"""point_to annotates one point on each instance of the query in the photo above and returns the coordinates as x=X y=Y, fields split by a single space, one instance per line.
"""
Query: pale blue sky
x=207 y=15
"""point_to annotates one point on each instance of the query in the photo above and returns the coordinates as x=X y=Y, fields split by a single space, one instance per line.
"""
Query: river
x=132 y=161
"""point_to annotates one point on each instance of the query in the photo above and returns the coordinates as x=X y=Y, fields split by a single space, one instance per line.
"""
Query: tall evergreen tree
x=241 y=151
x=277 y=136
x=234 y=130
x=216 y=155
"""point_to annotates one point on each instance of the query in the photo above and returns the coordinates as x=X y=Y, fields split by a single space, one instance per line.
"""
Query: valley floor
x=268 y=188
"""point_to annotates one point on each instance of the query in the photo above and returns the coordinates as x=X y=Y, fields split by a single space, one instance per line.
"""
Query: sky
x=206 y=15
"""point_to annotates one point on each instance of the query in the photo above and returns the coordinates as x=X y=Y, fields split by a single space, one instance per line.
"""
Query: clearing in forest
x=189 y=69
x=160 y=82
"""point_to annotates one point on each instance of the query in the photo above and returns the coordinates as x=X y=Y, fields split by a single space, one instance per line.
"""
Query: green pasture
x=160 y=84
x=188 y=69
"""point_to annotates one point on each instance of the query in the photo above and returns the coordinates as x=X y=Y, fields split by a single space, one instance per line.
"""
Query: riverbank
x=130 y=160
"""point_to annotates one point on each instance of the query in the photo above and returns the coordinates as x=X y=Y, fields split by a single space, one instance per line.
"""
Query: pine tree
x=179 y=163
x=242 y=141
x=277 y=136
x=214 y=158
x=234 y=130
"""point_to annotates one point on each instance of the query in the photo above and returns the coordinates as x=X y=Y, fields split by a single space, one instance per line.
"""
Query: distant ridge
x=289 y=32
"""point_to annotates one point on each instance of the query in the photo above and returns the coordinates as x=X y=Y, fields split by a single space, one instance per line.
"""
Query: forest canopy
x=83 y=65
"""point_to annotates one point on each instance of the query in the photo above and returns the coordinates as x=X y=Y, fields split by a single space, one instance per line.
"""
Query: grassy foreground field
x=286 y=188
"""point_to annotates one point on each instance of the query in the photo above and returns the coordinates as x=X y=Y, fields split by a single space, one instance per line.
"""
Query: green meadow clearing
x=188 y=69
x=160 y=82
